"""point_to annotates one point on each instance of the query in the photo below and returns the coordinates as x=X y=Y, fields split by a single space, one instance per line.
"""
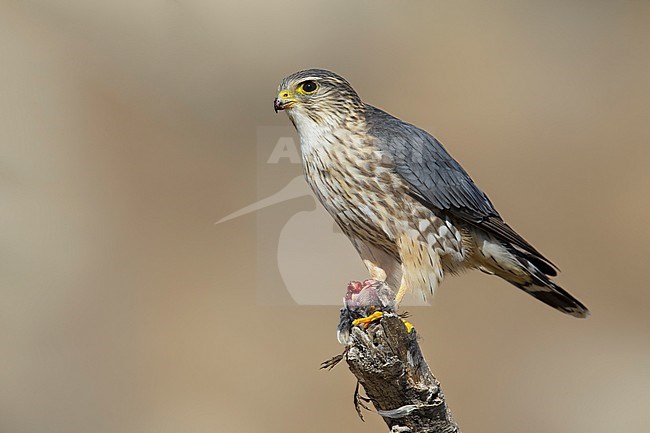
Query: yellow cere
x=286 y=95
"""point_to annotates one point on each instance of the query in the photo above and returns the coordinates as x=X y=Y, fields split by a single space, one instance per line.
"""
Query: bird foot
x=409 y=326
x=366 y=321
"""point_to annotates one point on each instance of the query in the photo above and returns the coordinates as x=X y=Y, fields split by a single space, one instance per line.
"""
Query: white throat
x=313 y=135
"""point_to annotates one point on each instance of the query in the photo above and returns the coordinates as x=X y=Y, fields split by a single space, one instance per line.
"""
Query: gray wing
x=440 y=183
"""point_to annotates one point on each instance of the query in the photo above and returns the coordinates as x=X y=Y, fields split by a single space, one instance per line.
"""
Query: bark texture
x=386 y=359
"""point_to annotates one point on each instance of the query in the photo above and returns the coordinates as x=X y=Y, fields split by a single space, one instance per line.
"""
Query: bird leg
x=375 y=271
x=398 y=300
x=400 y=295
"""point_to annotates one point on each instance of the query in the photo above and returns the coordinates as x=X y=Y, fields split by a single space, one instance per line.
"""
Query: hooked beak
x=277 y=105
x=283 y=101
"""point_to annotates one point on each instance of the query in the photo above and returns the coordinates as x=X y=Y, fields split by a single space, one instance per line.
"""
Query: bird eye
x=308 y=87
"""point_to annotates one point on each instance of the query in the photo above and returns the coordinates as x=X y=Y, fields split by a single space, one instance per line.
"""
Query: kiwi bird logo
x=301 y=266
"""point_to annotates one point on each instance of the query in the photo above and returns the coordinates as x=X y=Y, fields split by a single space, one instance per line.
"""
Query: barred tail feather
x=538 y=284
x=530 y=273
x=555 y=296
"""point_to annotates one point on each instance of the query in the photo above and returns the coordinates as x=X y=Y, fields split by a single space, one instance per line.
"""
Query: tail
x=551 y=294
x=532 y=275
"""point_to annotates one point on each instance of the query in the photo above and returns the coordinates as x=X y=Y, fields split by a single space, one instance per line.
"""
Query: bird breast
x=356 y=183
x=352 y=179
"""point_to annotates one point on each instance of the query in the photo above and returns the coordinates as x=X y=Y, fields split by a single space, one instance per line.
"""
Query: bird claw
x=366 y=321
x=409 y=326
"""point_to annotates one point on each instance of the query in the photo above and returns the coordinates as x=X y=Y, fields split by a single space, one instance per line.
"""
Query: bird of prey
x=411 y=211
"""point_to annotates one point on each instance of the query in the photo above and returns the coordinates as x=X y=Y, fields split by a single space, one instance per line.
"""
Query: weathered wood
x=386 y=359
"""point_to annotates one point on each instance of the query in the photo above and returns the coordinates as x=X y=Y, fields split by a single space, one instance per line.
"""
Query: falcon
x=409 y=208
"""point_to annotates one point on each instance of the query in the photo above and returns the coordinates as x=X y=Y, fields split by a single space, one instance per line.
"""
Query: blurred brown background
x=128 y=128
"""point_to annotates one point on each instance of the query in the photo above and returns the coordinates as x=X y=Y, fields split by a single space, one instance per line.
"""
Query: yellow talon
x=366 y=321
x=409 y=326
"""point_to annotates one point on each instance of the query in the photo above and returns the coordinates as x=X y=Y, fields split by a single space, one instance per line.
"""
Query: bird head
x=317 y=95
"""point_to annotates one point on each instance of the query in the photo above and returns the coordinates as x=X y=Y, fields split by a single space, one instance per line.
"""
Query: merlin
x=409 y=208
